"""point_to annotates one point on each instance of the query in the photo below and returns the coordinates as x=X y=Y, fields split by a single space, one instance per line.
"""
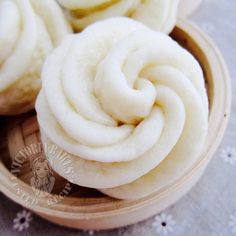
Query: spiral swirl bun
x=128 y=105
x=28 y=32
x=157 y=14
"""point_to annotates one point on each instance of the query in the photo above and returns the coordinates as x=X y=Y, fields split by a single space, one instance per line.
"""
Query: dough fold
x=127 y=104
x=158 y=14
x=29 y=30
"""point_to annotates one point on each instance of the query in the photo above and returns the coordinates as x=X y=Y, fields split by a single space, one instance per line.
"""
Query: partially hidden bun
x=158 y=14
x=29 y=30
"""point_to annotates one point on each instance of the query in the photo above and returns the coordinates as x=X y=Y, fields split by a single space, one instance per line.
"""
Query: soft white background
x=210 y=208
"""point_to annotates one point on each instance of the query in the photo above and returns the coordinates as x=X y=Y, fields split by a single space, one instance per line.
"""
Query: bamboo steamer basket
x=87 y=208
x=188 y=7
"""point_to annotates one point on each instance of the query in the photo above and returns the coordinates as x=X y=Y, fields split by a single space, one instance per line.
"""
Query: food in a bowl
x=127 y=104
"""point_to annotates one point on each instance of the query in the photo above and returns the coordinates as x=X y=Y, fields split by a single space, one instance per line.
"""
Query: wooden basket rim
x=203 y=41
